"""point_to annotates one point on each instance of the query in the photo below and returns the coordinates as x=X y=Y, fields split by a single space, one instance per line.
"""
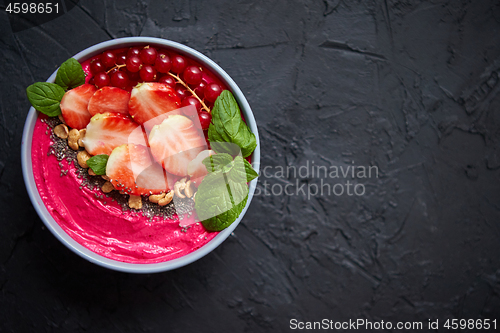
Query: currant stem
x=115 y=67
x=203 y=105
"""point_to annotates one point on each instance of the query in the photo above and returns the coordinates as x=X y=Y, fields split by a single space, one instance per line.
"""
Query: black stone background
x=408 y=86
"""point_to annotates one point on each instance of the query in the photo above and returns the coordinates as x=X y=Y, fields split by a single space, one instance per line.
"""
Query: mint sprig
x=45 y=97
x=223 y=193
x=70 y=74
x=98 y=164
x=227 y=126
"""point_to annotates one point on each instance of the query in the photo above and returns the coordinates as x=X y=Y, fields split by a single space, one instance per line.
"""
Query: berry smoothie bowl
x=140 y=154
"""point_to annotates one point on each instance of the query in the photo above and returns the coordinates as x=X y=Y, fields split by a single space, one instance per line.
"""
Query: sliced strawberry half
x=109 y=99
x=196 y=169
x=106 y=131
x=176 y=142
x=74 y=106
x=131 y=169
x=151 y=102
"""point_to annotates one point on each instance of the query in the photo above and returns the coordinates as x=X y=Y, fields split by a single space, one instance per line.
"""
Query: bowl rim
x=53 y=226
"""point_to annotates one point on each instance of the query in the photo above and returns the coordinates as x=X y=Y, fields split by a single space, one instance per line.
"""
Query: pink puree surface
x=103 y=228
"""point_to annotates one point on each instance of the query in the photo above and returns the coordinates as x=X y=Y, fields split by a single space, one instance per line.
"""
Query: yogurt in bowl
x=104 y=226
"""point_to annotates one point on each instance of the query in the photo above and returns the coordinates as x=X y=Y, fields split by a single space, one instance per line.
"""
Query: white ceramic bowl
x=70 y=242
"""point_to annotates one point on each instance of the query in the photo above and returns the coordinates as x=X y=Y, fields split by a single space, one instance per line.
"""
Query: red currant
x=134 y=63
x=120 y=80
x=148 y=73
x=113 y=71
x=148 y=55
x=121 y=59
x=133 y=76
x=102 y=80
x=192 y=75
x=191 y=100
x=163 y=63
x=205 y=119
x=178 y=64
x=200 y=89
x=181 y=91
x=96 y=66
x=133 y=51
x=162 y=52
x=167 y=79
x=92 y=81
x=108 y=59
x=212 y=91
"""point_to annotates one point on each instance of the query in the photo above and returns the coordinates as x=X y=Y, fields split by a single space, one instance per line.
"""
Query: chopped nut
x=104 y=177
x=91 y=172
x=156 y=197
x=194 y=196
x=61 y=118
x=189 y=190
x=135 y=201
x=180 y=186
x=74 y=135
x=82 y=135
x=167 y=199
x=107 y=187
x=61 y=131
x=82 y=158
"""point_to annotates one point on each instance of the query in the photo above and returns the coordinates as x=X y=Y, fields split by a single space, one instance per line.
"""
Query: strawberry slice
x=196 y=169
x=106 y=131
x=176 y=142
x=152 y=101
x=131 y=169
x=109 y=99
x=74 y=106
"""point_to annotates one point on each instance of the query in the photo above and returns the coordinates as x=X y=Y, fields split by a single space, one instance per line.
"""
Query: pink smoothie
x=103 y=227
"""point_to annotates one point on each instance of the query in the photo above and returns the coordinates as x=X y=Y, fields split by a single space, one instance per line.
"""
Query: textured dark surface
x=408 y=86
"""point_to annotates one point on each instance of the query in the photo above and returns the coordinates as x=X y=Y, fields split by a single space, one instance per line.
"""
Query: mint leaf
x=217 y=162
x=237 y=171
x=248 y=138
x=241 y=171
x=227 y=126
x=45 y=97
x=250 y=172
x=70 y=74
x=226 y=114
x=220 y=144
x=98 y=163
x=219 y=201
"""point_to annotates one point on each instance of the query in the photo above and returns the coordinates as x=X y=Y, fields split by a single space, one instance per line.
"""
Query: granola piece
x=82 y=158
x=82 y=135
x=135 y=201
x=107 y=187
x=154 y=198
x=61 y=131
x=180 y=186
x=74 y=135
x=167 y=199
x=189 y=189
